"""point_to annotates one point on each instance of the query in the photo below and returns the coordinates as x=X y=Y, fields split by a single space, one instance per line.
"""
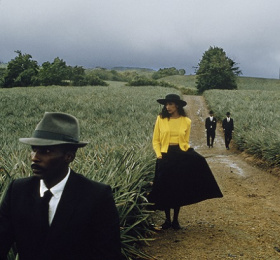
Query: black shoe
x=166 y=225
x=176 y=225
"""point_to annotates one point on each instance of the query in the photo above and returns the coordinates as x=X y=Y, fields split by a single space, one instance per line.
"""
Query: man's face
x=49 y=163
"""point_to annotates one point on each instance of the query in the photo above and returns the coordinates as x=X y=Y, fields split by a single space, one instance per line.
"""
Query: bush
x=2 y=75
x=167 y=72
x=142 y=81
x=189 y=91
x=94 y=80
x=105 y=74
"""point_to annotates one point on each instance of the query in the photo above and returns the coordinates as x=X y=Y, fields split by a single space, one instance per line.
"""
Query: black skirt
x=182 y=178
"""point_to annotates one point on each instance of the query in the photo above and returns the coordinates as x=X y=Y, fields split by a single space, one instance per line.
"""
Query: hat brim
x=47 y=142
x=163 y=101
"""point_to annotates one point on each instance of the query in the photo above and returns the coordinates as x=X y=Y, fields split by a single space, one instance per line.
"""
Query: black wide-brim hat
x=54 y=129
x=172 y=98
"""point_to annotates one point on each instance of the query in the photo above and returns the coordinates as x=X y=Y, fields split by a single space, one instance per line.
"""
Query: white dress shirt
x=57 y=192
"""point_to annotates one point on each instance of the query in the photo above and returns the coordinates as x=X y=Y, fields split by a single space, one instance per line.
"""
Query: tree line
x=214 y=71
x=23 y=71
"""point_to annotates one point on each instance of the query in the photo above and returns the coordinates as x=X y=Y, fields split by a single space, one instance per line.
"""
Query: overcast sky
x=143 y=33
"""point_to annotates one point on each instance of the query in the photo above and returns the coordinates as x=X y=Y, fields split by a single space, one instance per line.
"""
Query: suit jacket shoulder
x=85 y=225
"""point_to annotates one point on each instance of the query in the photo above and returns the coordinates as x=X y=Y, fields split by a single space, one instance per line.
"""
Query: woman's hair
x=164 y=113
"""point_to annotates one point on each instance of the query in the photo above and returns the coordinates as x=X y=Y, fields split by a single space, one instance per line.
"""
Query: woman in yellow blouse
x=182 y=176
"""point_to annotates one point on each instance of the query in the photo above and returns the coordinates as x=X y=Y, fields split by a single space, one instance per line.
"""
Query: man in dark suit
x=80 y=221
x=228 y=128
x=210 y=128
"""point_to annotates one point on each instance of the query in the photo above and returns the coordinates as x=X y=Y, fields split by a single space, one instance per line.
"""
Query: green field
x=181 y=81
x=243 y=83
x=246 y=83
x=256 y=117
x=118 y=122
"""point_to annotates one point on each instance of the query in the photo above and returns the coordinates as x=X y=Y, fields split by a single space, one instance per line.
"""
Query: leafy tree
x=216 y=71
x=2 y=75
x=21 y=71
x=94 y=80
x=105 y=74
x=129 y=75
x=182 y=72
x=167 y=72
x=101 y=73
x=55 y=73
x=77 y=76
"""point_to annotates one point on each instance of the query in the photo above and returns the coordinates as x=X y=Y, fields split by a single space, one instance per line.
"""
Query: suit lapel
x=35 y=209
x=36 y=202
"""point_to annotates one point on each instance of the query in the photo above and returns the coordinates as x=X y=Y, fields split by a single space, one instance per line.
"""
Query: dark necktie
x=45 y=210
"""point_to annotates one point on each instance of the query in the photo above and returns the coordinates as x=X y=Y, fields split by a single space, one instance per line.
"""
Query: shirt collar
x=57 y=189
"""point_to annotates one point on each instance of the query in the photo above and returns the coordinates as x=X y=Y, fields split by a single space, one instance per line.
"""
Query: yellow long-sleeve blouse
x=161 y=135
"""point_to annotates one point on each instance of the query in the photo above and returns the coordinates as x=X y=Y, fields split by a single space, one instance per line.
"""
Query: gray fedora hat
x=56 y=128
x=172 y=98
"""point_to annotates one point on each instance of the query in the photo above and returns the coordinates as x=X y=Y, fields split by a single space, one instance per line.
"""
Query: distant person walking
x=210 y=128
x=228 y=127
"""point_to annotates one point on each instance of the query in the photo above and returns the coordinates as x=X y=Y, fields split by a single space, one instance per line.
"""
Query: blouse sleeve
x=156 y=139
x=188 y=132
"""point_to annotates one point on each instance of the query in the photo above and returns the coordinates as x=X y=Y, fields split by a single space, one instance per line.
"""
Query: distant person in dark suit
x=77 y=219
x=228 y=127
x=210 y=128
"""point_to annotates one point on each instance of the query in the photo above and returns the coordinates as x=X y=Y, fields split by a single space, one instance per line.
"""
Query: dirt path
x=245 y=224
